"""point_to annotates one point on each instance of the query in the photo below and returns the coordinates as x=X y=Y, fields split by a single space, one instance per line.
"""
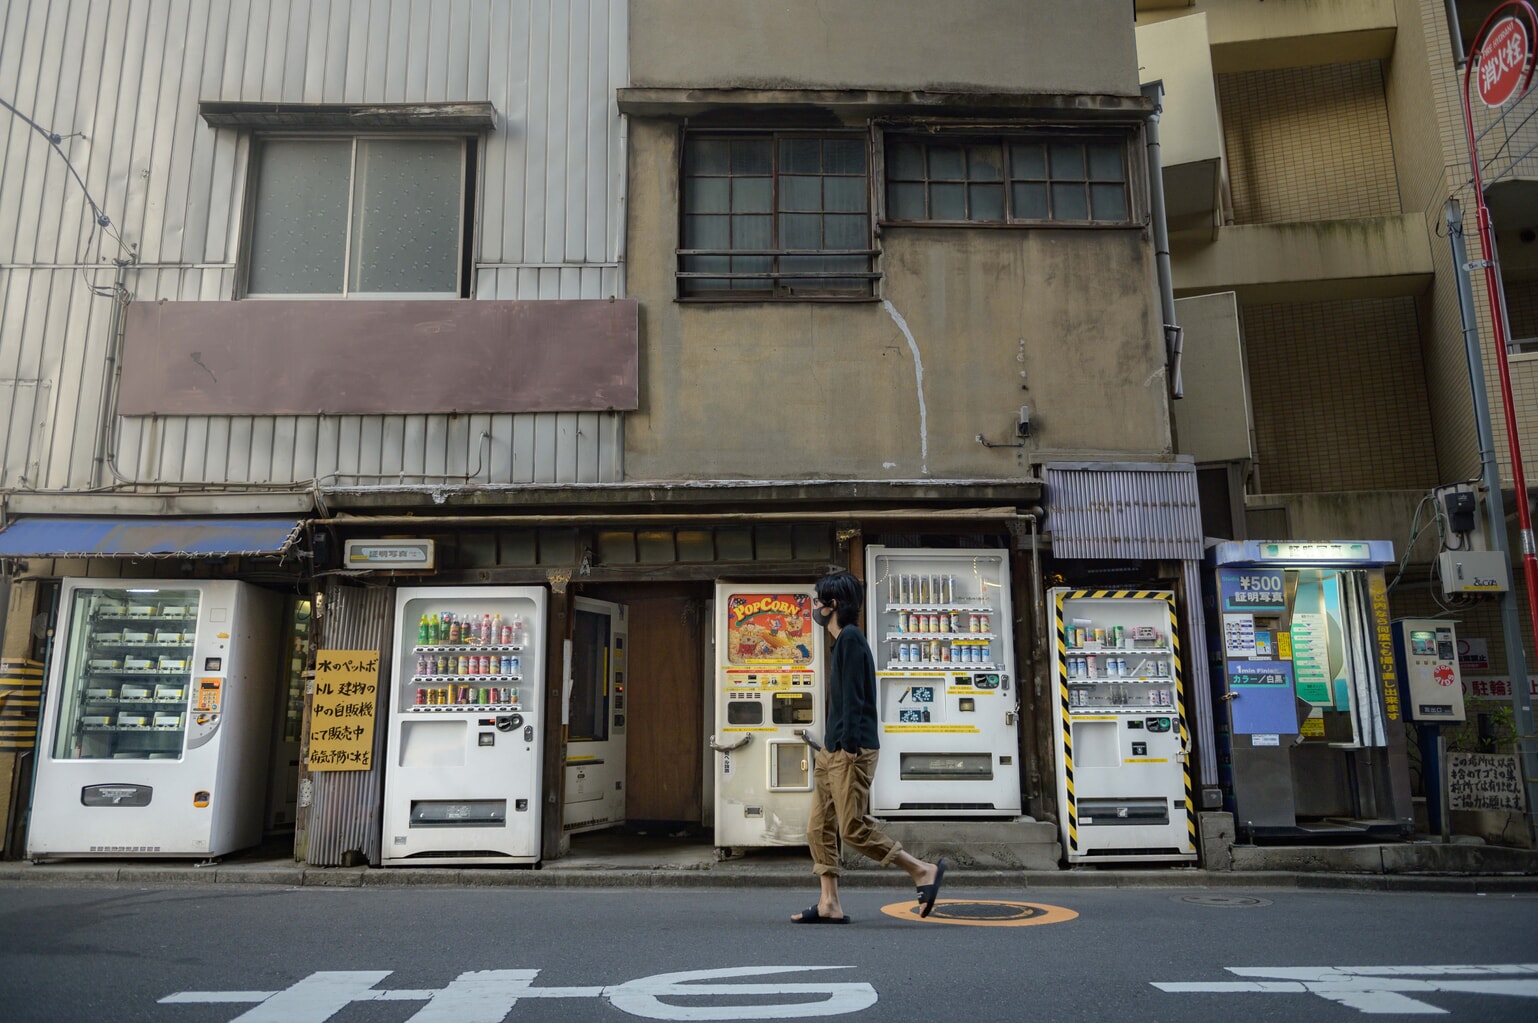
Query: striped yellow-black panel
x=1180 y=712
x=1070 y=810
x=21 y=692
x=1119 y=594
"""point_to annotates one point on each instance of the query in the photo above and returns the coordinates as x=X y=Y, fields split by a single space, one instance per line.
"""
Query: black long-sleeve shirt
x=852 y=715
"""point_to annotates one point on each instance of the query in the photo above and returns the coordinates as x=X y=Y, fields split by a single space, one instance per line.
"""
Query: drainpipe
x=1174 y=337
x=111 y=376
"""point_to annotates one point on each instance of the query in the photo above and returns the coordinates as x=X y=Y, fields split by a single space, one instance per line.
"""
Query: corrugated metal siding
x=1124 y=511
x=345 y=806
x=129 y=77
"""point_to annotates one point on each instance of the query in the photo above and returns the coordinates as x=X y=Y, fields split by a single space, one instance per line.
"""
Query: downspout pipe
x=1174 y=337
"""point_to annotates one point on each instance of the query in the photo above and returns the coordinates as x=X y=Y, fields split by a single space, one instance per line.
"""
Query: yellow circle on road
x=982 y=913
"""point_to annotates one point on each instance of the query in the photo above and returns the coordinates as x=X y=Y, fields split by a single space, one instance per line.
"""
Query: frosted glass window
x=357 y=216
x=405 y=217
x=299 y=237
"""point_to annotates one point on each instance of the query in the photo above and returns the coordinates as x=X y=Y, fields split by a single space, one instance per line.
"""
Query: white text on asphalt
x=488 y=996
x=1375 y=989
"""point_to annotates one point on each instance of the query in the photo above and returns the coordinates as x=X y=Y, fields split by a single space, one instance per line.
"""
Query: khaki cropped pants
x=841 y=810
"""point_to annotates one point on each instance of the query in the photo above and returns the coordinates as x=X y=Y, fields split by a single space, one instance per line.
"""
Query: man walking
x=843 y=769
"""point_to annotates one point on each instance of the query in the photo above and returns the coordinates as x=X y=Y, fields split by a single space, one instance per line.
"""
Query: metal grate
x=1122 y=510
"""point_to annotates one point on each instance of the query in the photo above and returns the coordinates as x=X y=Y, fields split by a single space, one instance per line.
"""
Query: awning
x=46 y=537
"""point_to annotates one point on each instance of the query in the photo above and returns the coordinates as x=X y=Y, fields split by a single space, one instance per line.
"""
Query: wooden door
x=664 y=722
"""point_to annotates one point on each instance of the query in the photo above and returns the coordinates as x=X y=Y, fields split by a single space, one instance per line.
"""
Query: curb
x=298 y=876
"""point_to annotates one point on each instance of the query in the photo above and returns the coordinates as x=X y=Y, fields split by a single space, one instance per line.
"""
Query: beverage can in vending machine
x=1116 y=635
x=421 y=697
x=516 y=672
x=985 y=623
x=934 y=650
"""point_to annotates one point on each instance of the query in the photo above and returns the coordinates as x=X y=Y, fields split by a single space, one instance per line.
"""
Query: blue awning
x=47 y=537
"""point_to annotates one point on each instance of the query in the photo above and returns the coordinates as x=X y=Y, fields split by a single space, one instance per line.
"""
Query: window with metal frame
x=360 y=217
x=1010 y=179
x=776 y=216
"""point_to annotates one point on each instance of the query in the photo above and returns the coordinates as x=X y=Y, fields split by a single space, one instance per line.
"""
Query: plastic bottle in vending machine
x=495 y=635
x=518 y=630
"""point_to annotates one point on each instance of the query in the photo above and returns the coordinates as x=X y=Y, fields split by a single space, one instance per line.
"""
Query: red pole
x=1492 y=284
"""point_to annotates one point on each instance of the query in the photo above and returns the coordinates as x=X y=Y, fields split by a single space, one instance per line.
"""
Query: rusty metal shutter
x=344 y=806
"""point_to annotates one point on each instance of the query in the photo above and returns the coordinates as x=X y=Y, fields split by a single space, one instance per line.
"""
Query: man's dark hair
x=846 y=589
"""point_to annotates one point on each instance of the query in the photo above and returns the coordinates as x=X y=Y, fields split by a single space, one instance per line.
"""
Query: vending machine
x=1123 y=772
x=464 y=771
x=769 y=696
x=156 y=736
x=945 y=683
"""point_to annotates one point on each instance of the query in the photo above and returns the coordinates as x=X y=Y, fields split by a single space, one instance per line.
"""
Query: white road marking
x=489 y=996
x=1374 y=989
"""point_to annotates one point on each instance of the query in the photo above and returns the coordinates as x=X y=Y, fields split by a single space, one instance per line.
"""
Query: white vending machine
x=1123 y=771
x=769 y=692
x=157 y=721
x=463 y=774
x=946 y=686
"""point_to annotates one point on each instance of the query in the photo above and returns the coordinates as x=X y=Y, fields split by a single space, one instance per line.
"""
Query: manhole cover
x=1223 y=901
x=982 y=913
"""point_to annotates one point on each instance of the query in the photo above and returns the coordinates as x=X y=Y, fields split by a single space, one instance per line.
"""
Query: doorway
x=596 y=718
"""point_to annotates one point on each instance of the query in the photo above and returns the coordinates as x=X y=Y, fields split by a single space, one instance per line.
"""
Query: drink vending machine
x=769 y=692
x=159 y=711
x=464 y=773
x=1123 y=776
x=945 y=690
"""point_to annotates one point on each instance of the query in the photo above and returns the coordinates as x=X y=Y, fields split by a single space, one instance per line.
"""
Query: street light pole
x=1496 y=298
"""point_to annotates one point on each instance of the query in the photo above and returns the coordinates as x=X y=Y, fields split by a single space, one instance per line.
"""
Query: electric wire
x=99 y=219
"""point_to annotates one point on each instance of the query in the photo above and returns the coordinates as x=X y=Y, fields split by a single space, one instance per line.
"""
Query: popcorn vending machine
x=769 y=692
x=1123 y=776
x=946 y=687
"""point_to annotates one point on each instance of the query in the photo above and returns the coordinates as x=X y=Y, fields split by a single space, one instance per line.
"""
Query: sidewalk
x=632 y=862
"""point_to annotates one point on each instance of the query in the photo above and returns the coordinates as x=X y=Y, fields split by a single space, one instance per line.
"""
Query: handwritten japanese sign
x=342 y=714
x=1484 y=781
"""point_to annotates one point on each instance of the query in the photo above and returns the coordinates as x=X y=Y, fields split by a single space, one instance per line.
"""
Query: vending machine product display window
x=940 y=627
x=127 y=673
x=1123 y=774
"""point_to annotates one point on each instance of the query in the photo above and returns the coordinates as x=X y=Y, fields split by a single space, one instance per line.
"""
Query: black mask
x=822 y=615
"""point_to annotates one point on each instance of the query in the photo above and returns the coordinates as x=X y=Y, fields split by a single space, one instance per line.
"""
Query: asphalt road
x=370 y=955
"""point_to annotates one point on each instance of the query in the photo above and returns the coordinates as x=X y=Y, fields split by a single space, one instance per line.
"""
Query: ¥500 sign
x=1503 y=60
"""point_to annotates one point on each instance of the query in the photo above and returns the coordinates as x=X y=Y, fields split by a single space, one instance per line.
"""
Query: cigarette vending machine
x=157 y=728
x=946 y=691
x=1123 y=777
x=464 y=771
x=769 y=691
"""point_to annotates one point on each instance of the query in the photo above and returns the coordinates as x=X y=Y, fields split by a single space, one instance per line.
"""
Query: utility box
x=1427 y=651
x=1473 y=572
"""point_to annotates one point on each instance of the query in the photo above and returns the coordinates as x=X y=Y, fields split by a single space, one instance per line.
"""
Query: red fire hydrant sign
x=1503 y=60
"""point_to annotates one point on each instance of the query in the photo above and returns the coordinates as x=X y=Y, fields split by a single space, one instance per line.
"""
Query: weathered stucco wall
x=1046 y=46
x=1064 y=321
